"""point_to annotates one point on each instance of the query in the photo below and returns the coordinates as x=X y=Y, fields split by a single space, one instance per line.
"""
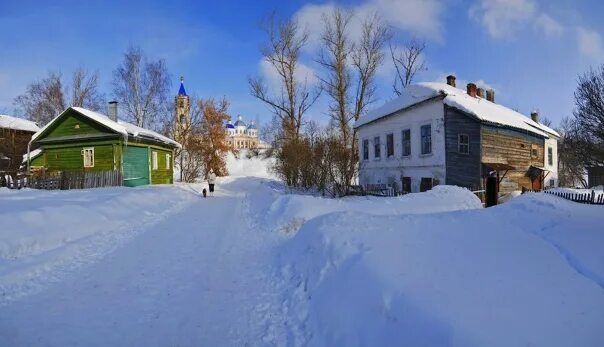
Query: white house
x=435 y=133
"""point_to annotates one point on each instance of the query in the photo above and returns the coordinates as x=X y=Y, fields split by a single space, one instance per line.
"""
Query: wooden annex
x=15 y=134
x=80 y=140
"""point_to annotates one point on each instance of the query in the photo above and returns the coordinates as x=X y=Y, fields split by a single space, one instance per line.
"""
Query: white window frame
x=168 y=159
x=91 y=151
x=154 y=161
x=550 y=156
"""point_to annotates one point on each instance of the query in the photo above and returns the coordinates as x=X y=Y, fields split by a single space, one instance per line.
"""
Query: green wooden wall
x=75 y=124
x=161 y=175
x=70 y=158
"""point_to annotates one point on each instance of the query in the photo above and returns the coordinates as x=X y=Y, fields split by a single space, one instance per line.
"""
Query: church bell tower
x=182 y=108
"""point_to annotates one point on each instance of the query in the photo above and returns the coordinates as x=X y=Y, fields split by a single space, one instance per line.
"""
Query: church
x=239 y=135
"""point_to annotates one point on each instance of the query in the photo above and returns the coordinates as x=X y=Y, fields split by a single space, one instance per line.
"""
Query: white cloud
x=303 y=73
x=502 y=18
x=419 y=17
x=549 y=26
x=590 y=43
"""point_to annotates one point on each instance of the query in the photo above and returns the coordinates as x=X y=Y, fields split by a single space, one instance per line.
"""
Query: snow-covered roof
x=481 y=108
x=8 y=122
x=124 y=128
x=32 y=154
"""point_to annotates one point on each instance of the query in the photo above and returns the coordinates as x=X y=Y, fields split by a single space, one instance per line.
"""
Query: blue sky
x=530 y=51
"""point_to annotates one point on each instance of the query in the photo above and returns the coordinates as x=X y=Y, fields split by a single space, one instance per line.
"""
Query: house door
x=537 y=183
x=136 y=166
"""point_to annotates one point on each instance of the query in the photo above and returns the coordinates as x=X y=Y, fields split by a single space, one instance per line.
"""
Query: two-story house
x=436 y=133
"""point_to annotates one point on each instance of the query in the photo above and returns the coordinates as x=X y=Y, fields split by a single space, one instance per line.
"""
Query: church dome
x=252 y=126
x=240 y=122
x=230 y=125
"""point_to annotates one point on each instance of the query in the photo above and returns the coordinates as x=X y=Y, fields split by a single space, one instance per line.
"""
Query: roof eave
x=417 y=104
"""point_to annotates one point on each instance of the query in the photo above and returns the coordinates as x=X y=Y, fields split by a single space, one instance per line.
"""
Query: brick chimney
x=471 y=89
x=451 y=80
x=480 y=92
x=112 y=110
x=535 y=116
x=491 y=95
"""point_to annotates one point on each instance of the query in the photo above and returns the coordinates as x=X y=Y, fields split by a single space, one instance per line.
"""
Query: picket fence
x=65 y=180
x=592 y=198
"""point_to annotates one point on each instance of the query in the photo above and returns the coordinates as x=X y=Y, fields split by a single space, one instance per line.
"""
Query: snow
x=120 y=127
x=259 y=265
x=8 y=122
x=258 y=166
x=481 y=108
x=32 y=154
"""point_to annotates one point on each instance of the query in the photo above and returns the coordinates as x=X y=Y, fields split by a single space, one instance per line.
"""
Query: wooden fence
x=65 y=180
x=592 y=198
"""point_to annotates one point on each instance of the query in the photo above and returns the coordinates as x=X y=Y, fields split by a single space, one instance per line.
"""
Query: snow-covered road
x=177 y=284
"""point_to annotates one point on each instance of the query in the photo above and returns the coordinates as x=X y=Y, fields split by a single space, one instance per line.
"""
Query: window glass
x=154 y=160
x=550 y=156
x=463 y=144
x=426 y=132
x=88 y=157
x=406 y=142
x=365 y=149
x=376 y=147
x=389 y=145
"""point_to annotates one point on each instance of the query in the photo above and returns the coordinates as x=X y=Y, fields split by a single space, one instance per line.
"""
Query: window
x=376 y=147
x=154 y=160
x=406 y=142
x=550 y=156
x=88 y=154
x=365 y=149
x=463 y=143
x=426 y=132
x=389 y=145
x=168 y=158
x=534 y=153
x=551 y=182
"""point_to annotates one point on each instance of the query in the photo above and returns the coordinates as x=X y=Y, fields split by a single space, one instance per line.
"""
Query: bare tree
x=85 y=91
x=43 y=100
x=350 y=69
x=408 y=61
x=572 y=151
x=334 y=57
x=282 y=53
x=589 y=114
x=546 y=121
x=141 y=86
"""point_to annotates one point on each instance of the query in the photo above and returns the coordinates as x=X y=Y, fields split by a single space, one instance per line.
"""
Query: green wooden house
x=86 y=141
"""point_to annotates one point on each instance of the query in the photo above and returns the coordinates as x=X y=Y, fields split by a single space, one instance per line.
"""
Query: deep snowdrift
x=44 y=232
x=530 y=272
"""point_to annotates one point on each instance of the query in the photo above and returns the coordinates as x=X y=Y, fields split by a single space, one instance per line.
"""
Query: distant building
x=241 y=135
x=15 y=134
x=435 y=133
